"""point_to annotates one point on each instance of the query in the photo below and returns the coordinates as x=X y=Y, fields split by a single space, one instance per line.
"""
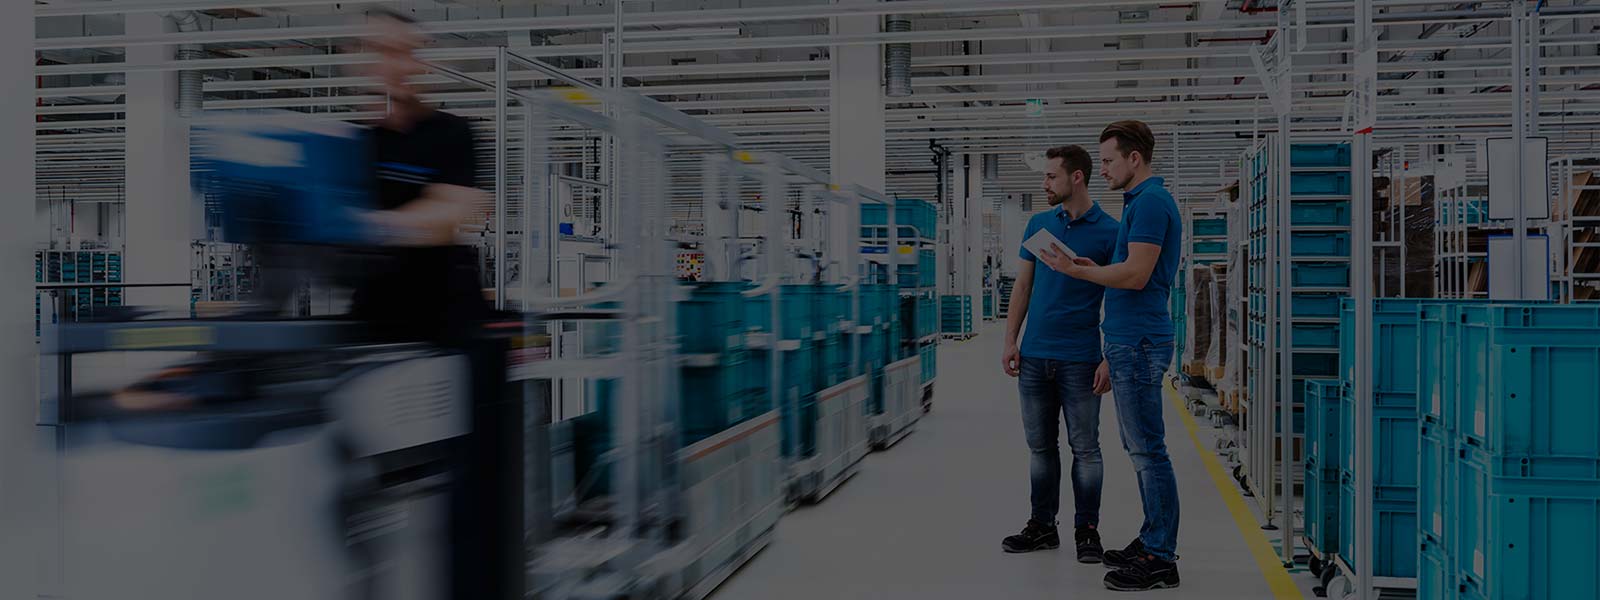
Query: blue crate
x=1210 y=247
x=1315 y=305
x=1526 y=538
x=1395 y=352
x=712 y=320
x=1322 y=507
x=1394 y=434
x=1211 y=227
x=288 y=178
x=1320 y=213
x=1436 y=572
x=1319 y=243
x=1322 y=398
x=1394 y=532
x=1436 y=456
x=1315 y=335
x=930 y=362
x=716 y=398
x=1332 y=183
x=1527 y=379
x=1320 y=274
x=1319 y=155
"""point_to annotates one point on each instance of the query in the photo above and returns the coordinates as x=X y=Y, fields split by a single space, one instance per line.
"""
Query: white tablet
x=1044 y=239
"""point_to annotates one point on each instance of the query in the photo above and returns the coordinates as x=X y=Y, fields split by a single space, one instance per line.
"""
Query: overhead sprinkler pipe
x=191 y=94
x=897 y=59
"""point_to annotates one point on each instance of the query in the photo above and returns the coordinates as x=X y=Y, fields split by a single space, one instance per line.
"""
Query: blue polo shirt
x=1150 y=216
x=1064 y=312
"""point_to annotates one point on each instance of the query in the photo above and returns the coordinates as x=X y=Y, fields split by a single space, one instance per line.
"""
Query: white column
x=1013 y=223
x=18 y=354
x=969 y=272
x=160 y=210
x=855 y=110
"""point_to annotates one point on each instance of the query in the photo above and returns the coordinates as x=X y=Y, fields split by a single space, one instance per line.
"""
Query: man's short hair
x=1073 y=158
x=1131 y=136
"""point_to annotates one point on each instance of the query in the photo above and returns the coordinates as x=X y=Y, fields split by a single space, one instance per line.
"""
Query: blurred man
x=428 y=289
x=1139 y=344
x=1059 y=362
x=425 y=162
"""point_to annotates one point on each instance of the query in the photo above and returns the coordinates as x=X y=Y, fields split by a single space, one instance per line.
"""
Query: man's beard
x=1056 y=200
x=1121 y=186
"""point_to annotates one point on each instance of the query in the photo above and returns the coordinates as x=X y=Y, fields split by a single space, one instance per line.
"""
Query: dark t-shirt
x=423 y=293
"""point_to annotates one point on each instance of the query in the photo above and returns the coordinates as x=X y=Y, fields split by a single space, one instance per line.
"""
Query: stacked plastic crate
x=1322 y=469
x=78 y=266
x=955 y=315
x=1516 y=472
x=1318 y=256
x=719 y=387
x=1206 y=232
x=911 y=267
x=1394 y=435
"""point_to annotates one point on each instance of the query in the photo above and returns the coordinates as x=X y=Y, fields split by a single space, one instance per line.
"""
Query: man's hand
x=1055 y=259
x=1011 y=360
x=1102 y=378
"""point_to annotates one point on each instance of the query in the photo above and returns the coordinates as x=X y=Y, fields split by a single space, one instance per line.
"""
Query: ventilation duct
x=898 y=59
x=190 y=82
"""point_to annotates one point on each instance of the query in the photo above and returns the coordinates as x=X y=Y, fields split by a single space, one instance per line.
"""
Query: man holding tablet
x=1059 y=363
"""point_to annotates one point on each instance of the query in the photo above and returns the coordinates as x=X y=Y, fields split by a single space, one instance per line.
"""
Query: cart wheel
x=1328 y=573
x=1339 y=587
x=1315 y=564
x=1319 y=591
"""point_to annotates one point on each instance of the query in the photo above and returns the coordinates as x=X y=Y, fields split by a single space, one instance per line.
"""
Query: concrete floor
x=924 y=520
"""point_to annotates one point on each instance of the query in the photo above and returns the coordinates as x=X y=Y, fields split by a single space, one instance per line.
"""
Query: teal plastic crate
x=1320 y=274
x=1322 y=398
x=1217 y=226
x=909 y=214
x=1315 y=305
x=1332 y=183
x=1395 y=440
x=1211 y=247
x=831 y=362
x=712 y=320
x=1319 y=243
x=1319 y=155
x=1436 y=572
x=1322 y=507
x=1320 y=213
x=929 y=356
x=1527 y=379
x=715 y=398
x=798 y=306
x=1525 y=538
x=1436 y=458
x=1394 y=532
x=1316 y=335
x=1395 y=352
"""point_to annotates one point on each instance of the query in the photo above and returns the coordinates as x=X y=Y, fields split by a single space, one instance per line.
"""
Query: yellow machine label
x=170 y=337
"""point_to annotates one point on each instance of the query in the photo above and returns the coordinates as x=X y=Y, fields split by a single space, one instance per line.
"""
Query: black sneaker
x=1089 y=550
x=1142 y=574
x=1036 y=536
x=1121 y=559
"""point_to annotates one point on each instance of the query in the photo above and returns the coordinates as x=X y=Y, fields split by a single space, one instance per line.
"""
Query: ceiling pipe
x=191 y=94
x=897 y=59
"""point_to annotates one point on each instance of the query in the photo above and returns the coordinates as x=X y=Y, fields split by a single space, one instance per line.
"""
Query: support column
x=1013 y=223
x=970 y=270
x=18 y=367
x=855 y=111
x=160 y=209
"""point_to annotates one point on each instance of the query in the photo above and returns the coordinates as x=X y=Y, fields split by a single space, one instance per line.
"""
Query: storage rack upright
x=1315 y=190
x=1461 y=253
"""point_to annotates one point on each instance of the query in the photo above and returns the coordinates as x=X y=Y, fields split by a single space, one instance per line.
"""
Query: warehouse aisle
x=924 y=520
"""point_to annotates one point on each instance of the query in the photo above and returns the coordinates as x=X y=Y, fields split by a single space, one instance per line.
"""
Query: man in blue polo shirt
x=1058 y=364
x=1139 y=341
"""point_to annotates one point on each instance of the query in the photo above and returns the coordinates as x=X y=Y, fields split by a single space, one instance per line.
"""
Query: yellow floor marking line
x=1283 y=588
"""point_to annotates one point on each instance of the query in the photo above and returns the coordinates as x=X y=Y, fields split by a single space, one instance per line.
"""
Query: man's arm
x=1130 y=274
x=431 y=220
x=1021 y=293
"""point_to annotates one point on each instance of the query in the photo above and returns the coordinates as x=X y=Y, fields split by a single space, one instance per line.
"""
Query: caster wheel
x=1315 y=564
x=1339 y=587
x=1319 y=591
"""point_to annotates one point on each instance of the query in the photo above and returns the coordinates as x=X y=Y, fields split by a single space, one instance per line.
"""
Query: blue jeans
x=1049 y=387
x=1136 y=373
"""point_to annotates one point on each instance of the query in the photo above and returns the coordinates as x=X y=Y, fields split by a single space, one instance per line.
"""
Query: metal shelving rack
x=1575 y=228
x=1460 y=217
